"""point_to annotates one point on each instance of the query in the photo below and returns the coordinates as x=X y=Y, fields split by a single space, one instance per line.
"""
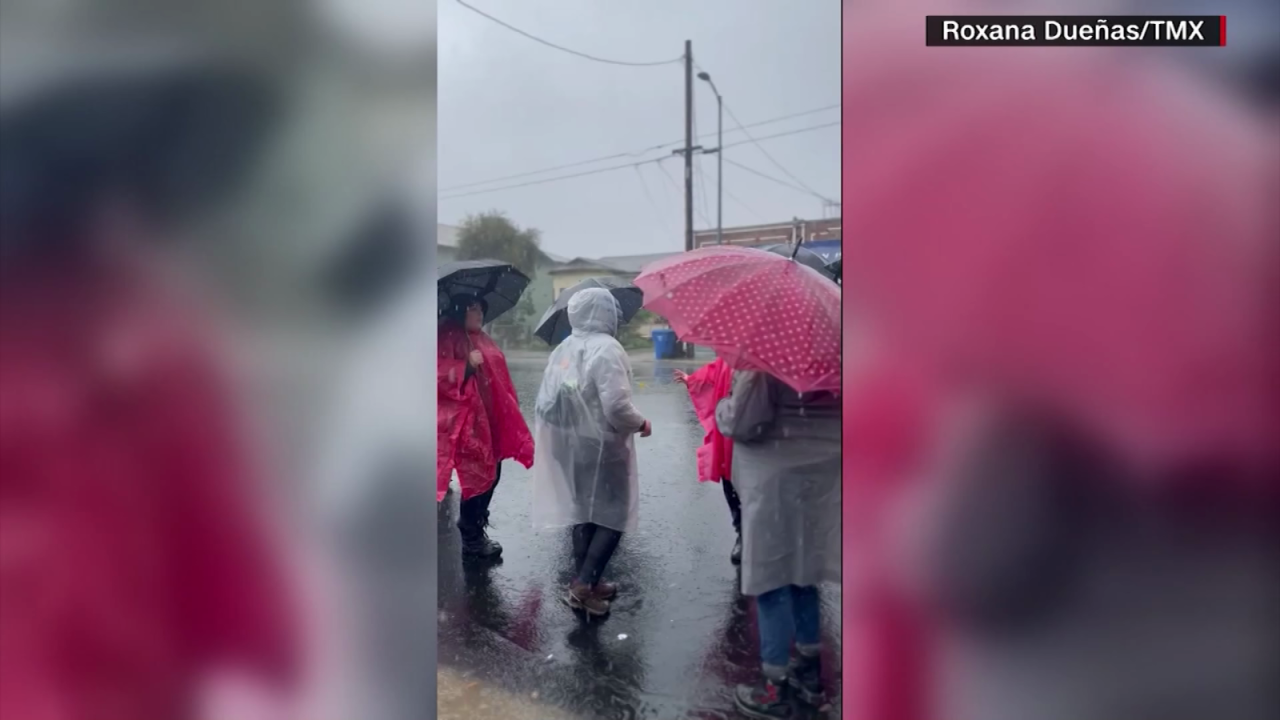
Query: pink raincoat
x=707 y=387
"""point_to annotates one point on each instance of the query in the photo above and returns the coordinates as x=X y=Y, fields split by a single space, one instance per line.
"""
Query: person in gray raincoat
x=786 y=466
x=584 y=473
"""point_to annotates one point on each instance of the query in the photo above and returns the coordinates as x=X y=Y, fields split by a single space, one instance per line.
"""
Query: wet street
x=679 y=637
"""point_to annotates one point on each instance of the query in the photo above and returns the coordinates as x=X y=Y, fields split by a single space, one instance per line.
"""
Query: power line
x=566 y=166
x=667 y=175
x=701 y=209
x=770 y=121
x=745 y=206
x=783 y=183
x=585 y=173
x=699 y=171
x=797 y=131
x=571 y=51
x=656 y=210
x=645 y=162
x=773 y=160
x=618 y=156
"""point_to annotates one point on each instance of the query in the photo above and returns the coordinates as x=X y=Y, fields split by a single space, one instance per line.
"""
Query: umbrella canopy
x=757 y=310
x=836 y=267
x=498 y=283
x=554 y=326
x=802 y=255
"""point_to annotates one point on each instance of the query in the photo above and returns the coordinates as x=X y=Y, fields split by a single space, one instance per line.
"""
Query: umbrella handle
x=470 y=349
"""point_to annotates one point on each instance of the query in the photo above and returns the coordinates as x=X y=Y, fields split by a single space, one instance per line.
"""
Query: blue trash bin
x=664 y=343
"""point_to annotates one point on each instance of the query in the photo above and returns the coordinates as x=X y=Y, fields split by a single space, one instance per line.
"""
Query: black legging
x=735 y=505
x=593 y=546
x=473 y=513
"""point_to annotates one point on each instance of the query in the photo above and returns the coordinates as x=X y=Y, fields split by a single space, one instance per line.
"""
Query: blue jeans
x=788 y=614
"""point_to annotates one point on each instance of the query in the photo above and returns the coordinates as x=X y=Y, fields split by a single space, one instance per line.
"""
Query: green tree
x=524 y=310
x=491 y=235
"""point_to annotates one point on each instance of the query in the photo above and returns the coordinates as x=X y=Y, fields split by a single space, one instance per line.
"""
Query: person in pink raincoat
x=707 y=387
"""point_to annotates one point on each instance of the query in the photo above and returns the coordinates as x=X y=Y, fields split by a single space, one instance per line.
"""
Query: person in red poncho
x=707 y=387
x=479 y=423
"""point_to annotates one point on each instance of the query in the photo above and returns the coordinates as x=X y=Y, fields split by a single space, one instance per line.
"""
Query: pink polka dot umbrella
x=757 y=310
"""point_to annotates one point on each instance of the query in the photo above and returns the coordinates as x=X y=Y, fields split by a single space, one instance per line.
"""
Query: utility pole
x=687 y=350
x=688 y=145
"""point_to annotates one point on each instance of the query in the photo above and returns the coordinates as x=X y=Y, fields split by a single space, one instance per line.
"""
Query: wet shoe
x=581 y=597
x=481 y=547
x=766 y=700
x=735 y=556
x=805 y=677
x=605 y=591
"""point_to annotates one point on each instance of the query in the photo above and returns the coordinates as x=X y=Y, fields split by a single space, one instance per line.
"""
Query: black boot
x=473 y=519
x=805 y=677
x=735 y=511
x=769 y=699
x=480 y=545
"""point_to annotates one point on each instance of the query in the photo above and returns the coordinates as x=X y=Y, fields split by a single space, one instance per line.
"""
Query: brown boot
x=581 y=597
x=605 y=590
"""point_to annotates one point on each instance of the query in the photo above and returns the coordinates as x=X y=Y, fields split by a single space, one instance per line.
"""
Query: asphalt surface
x=680 y=637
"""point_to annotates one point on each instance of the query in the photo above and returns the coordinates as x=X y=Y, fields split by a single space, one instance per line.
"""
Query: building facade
x=820 y=236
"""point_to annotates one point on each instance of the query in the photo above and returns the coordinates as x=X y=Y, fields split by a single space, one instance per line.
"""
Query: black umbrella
x=498 y=283
x=554 y=326
x=802 y=255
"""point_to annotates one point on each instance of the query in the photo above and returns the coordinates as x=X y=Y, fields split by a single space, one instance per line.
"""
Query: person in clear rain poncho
x=585 y=472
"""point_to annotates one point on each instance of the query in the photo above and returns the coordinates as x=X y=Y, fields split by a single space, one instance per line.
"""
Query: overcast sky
x=508 y=105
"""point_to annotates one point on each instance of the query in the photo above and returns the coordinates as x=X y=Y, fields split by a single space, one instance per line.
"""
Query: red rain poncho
x=478 y=420
x=707 y=387
x=132 y=559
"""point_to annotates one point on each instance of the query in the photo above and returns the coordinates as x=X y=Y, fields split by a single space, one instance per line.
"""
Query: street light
x=719 y=151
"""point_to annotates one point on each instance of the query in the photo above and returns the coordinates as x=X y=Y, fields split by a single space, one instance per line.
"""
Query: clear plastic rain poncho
x=584 y=423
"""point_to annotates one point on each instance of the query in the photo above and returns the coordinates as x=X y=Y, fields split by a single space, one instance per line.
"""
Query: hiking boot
x=605 y=590
x=766 y=700
x=735 y=556
x=804 y=674
x=581 y=597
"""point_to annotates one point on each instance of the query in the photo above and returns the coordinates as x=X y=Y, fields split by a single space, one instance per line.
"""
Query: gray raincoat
x=585 y=468
x=786 y=469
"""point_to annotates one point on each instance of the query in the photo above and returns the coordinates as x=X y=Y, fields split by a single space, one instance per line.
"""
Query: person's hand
x=647 y=429
x=475 y=358
x=682 y=377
